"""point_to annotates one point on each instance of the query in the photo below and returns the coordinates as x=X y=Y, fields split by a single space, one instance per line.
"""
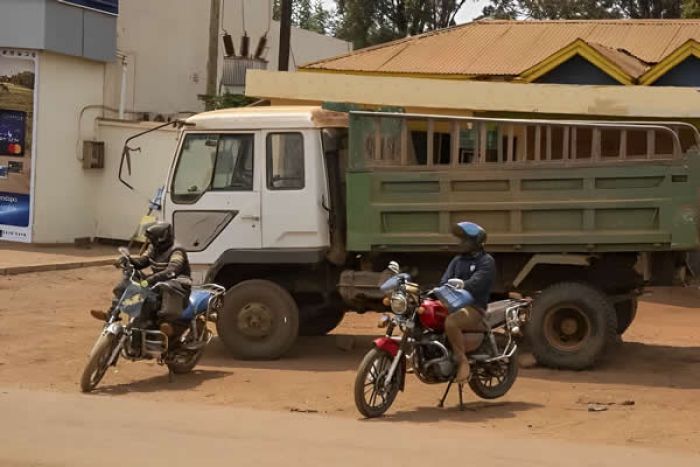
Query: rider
x=477 y=269
x=170 y=267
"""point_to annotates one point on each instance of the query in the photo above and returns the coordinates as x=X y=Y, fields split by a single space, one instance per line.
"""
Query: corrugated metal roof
x=491 y=47
x=629 y=64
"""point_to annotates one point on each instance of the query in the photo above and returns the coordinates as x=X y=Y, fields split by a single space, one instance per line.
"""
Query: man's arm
x=449 y=273
x=142 y=262
x=482 y=276
x=175 y=267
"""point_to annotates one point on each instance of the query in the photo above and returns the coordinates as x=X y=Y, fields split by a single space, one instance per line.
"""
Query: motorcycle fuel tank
x=433 y=315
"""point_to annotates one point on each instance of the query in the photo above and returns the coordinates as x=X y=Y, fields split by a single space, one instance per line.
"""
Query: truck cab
x=249 y=198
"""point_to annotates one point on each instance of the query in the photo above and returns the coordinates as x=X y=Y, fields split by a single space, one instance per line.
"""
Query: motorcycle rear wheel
x=494 y=380
x=98 y=362
x=371 y=398
x=184 y=360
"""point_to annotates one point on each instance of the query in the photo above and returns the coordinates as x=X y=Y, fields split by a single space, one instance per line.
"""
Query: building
x=560 y=69
x=600 y=52
x=77 y=77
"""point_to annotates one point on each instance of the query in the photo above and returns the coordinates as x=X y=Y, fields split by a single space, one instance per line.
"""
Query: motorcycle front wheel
x=372 y=397
x=98 y=362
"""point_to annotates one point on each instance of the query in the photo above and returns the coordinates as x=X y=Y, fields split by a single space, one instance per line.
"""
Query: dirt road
x=50 y=429
x=45 y=334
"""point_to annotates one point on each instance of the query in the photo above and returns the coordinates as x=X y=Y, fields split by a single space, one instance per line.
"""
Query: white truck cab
x=251 y=182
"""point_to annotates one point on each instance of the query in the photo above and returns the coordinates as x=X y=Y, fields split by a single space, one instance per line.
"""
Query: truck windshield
x=213 y=162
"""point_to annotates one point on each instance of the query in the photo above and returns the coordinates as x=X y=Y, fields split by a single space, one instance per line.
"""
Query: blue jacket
x=478 y=274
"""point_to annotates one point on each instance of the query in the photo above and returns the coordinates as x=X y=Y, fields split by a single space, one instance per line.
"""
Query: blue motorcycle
x=132 y=340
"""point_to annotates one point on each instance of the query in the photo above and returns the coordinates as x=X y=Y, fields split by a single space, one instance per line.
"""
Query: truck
x=297 y=210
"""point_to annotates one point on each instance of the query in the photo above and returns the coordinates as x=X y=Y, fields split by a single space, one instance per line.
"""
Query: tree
x=307 y=15
x=367 y=22
x=583 y=9
x=691 y=9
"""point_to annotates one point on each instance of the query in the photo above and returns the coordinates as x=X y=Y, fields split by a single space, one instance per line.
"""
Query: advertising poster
x=17 y=86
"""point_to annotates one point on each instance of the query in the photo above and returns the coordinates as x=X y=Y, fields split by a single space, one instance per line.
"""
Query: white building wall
x=119 y=210
x=64 y=200
x=166 y=45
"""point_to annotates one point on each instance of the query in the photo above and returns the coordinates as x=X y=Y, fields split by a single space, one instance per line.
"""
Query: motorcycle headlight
x=399 y=305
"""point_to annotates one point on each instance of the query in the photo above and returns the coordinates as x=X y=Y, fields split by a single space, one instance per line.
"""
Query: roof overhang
x=586 y=51
x=688 y=49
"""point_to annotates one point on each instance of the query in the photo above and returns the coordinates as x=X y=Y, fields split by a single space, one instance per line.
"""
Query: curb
x=15 y=270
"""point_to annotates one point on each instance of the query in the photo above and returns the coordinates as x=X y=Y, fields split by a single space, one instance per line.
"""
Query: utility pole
x=213 y=57
x=285 y=34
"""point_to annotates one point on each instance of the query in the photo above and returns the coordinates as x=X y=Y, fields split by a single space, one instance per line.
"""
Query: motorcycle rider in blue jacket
x=477 y=269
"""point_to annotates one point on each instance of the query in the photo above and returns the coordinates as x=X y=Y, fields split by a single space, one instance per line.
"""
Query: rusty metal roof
x=508 y=48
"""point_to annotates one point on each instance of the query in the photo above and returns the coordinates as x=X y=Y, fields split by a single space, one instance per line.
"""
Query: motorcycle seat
x=198 y=303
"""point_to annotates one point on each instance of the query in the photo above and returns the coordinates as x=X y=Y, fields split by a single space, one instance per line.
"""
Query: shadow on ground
x=474 y=412
x=308 y=354
x=163 y=382
x=635 y=364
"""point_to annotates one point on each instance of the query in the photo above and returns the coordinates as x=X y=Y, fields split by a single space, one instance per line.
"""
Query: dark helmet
x=472 y=236
x=160 y=235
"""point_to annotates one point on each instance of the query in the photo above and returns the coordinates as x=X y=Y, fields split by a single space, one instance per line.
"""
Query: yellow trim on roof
x=578 y=47
x=387 y=73
x=687 y=49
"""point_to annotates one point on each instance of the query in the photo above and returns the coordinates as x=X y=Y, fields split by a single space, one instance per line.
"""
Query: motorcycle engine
x=436 y=365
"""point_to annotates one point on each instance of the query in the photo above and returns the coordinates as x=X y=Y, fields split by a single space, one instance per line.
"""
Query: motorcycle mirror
x=394 y=267
x=123 y=251
x=456 y=283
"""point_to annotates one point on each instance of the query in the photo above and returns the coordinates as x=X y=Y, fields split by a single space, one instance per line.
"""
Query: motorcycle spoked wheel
x=372 y=399
x=183 y=361
x=98 y=362
x=494 y=380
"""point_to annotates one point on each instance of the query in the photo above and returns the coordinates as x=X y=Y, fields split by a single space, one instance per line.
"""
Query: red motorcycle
x=492 y=352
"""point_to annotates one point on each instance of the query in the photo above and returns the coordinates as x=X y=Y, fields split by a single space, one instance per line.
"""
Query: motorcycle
x=492 y=352
x=133 y=341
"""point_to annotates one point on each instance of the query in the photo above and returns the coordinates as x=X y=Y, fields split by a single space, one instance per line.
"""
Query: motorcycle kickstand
x=171 y=376
x=461 y=400
x=444 y=396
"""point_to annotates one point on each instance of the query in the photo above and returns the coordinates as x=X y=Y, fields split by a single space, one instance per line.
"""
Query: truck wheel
x=571 y=325
x=259 y=320
x=320 y=322
x=626 y=312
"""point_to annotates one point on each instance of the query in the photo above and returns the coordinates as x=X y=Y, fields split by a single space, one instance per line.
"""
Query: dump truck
x=298 y=210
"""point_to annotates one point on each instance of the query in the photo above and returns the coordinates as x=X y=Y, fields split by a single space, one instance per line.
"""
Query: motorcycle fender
x=388 y=345
x=391 y=346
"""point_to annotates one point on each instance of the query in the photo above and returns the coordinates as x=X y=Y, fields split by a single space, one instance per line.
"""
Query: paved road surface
x=53 y=429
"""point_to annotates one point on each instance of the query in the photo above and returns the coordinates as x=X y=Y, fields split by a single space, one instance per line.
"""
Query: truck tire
x=626 y=312
x=320 y=322
x=571 y=325
x=259 y=320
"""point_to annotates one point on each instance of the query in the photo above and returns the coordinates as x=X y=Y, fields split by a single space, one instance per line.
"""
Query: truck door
x=213 y=198
x=294 y=192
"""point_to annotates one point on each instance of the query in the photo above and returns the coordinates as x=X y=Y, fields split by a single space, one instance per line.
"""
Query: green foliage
x=584 y=9
x=691 y=9
x=308 y=15
x=369 y=22
x=225 y=101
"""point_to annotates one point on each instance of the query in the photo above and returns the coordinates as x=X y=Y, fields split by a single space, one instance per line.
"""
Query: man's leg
x=466 y=319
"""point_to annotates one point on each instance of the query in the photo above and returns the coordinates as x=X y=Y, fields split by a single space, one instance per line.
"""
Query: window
x=234 y=164
x=285 y=161
x=213 y=162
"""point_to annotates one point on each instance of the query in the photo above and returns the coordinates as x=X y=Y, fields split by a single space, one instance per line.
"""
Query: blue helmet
x=471 y=233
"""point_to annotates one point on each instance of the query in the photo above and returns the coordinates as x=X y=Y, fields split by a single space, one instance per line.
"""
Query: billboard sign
x=104 y=6
x=17 y=111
